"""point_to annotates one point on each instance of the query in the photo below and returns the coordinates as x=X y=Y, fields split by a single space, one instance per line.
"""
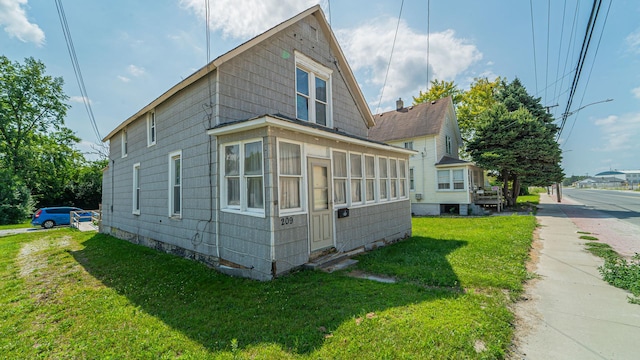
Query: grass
x=22 y=225
x=618 y=271
x=67 y=294
x=588 y=237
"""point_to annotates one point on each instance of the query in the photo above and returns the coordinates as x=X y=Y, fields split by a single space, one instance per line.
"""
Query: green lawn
x=67 y=294
x=24 y=224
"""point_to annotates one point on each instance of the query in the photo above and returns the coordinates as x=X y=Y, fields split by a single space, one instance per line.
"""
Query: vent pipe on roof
x=399 y=104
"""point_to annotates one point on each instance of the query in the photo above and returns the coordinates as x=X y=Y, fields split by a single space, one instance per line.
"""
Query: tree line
x=505 y=130
x=39 y=163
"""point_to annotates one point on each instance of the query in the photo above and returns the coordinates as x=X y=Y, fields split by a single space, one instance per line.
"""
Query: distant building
x=630 y=177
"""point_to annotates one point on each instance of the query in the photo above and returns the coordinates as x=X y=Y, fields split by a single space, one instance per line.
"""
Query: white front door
x=320 y=209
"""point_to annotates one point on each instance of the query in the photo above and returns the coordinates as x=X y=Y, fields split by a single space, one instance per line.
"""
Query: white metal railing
x=92 y=217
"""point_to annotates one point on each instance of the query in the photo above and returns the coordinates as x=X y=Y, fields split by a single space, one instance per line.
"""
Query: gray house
x=259 y=161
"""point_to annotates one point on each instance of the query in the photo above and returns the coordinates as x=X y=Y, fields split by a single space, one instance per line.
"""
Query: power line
x=428 y=39
x=604 y=24
x=546 y=74
x=390 y=57
x=581 y=59
x=76 y=68
x=533 y=37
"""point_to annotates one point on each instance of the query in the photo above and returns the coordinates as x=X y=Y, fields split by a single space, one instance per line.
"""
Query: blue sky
x=130 y=52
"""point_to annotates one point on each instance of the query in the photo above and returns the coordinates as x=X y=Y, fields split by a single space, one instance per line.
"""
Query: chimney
x=399 y=104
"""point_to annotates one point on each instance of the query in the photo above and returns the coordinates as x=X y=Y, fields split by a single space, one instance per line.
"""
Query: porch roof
x=302 y=127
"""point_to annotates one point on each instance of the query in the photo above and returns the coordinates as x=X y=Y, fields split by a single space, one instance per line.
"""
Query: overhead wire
x=76 y=68
x=533 y=38
x=595 y=54
x=581 y=59
x=555 y=88
x=428 y=39
x=546 y=75
x=395 y=36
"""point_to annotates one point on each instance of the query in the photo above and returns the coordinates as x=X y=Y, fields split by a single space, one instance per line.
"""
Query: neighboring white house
x=439 y=181
x=259 y=161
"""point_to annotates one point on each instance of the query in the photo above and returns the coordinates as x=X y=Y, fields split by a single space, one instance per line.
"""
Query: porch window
x=339 y=178
x=243 y=185
x=313 y=91
x=451 y=179
x=290 y=162
x=356 y=177
x=370 y=174
x=458 y=179
x=393 y=170
x=253 y=175
x=175 y=184
x=402 y=181
x=443 y=180
x=384 y=177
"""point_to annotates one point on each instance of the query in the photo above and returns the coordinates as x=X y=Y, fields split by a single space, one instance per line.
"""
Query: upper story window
x=313 y=91
x=151 y=128
x=448 y=144
x=243 y=185
x=124 y=141
x=408 y=145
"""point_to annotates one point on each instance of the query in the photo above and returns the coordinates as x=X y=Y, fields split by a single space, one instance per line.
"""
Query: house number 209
x=288 y=220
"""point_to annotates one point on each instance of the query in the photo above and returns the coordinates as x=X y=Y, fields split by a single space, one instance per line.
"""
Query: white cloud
x=636 y=92
x=246 y=18
x=15 y=22
x=368 y=48
x=79 y=99
x=135 y=70
x=123 y=78
x=619 y=132
x=633 y=41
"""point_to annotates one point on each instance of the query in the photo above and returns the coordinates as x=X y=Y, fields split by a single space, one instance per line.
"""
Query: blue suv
x=52 y=216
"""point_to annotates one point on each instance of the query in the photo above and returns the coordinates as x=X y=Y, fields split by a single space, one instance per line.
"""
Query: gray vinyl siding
x=256 y=82
x=181 y=124
x=367 y=224
x=262 y=80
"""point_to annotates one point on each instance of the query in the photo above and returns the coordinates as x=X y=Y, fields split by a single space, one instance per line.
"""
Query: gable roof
x=417 y=120
x=341 y=61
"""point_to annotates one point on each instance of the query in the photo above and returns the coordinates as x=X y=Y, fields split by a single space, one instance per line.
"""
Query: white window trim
x=124 y=143
x=315 y=70
x=152 y=125
x=136 y=190
x=375 y=179
x=403 y=180
x=451 y=189
x=350 y=176
x=303 y=184
x=395 y=179
x=380 y=178
x=242 y=209
x=172 y=156
x=347 y=191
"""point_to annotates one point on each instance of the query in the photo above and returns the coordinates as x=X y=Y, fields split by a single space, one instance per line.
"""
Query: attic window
x=313 y=91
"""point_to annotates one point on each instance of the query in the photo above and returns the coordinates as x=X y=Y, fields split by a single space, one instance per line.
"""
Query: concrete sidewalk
x=571 y=313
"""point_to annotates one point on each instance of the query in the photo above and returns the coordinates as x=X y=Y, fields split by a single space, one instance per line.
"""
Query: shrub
x=15 y=199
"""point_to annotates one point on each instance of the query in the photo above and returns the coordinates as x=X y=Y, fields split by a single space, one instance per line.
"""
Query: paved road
x=623 y=205
x=611 y=216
